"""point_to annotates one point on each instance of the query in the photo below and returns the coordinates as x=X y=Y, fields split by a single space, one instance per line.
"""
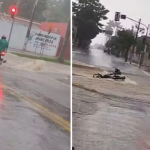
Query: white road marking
x=146 y=73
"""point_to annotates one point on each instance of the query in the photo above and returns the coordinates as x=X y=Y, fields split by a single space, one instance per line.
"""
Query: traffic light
x=13 y=11
x=117 y=16
x=123 y=17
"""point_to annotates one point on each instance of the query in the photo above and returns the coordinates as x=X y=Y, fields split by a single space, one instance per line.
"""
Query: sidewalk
x=27 y=53
x=32 y=55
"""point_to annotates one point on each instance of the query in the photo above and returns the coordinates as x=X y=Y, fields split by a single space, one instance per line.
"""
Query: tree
x=25 y=8
x=126 y=39
x=111 y=27
x=59 y=11
x=50 y=10
x=87 y=14
x=122 y=42
x=141 y=45
x=6 y=5
x=114 y=24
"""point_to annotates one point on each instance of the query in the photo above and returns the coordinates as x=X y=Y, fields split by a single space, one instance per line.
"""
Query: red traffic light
x=13 y=10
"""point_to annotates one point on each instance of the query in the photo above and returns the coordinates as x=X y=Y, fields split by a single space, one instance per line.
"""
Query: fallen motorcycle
x=116 y=75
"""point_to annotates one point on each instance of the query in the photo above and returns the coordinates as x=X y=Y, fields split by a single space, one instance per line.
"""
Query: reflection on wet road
x=35 y=109
x=98 y=58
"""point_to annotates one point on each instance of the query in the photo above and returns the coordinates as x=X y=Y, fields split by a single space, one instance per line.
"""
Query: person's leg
x=4 y=61
x=1 y=60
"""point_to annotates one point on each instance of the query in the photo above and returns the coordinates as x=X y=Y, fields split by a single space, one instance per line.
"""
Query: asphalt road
x=106 y=122
x=108 y=114
x=98 y=58
x=34 y=107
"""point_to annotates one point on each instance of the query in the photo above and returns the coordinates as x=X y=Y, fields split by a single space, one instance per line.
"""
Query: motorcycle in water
x=116 y=75
x=3 y=53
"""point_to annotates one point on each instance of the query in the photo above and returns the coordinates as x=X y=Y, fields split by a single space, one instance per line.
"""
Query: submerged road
x=34 y=106
x=98 y=58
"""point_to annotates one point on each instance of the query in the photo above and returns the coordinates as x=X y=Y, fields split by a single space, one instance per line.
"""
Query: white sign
x=44 y=43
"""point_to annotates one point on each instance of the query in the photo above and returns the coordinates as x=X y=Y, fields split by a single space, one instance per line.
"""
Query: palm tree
x=114 y=24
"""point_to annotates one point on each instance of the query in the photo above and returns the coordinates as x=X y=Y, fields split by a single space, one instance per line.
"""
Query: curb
x=84 y=66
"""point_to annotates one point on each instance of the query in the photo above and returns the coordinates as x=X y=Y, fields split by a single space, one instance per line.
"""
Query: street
x=35 y=105
x=98 y=58
x=108 y=114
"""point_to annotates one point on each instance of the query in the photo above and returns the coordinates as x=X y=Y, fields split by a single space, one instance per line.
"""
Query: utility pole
x=30 y=25
x=13 y=11
x=1 y=4
x=63 y=50
x=136 y=36
x=145 y=47
x=146 y=38
x=11 y=29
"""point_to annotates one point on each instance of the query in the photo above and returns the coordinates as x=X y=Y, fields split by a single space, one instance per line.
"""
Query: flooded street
x=105 y=122
x=110 y=114
x=35 y=105
x=98 y=58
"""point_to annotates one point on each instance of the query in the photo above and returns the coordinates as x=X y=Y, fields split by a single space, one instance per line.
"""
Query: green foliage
x=141 y=45
x=87 y=15
x=112 y=42
x=59 y=11
x=122 y=42
x=26 y=6
x=126 y=38
x=6 y=5
x=113 y=24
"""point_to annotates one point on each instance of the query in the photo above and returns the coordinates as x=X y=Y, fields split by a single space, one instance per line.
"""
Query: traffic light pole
x=136 y=36
x=117 y=18
x=30 y=25
x=11 y=29
x=13 y=17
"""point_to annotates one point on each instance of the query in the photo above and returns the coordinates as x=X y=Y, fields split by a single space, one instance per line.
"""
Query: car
x=105 y=50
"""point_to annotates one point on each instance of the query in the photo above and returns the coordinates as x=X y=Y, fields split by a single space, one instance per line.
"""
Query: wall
x=67 y=54
x=19 y=33
x=61 y=27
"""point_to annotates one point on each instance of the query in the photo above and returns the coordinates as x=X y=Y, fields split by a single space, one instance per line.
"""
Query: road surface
x=98 y=58
x=107 y=114
x=34 y=105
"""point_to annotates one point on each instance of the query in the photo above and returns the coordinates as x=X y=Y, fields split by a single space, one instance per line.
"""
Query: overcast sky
x=135 y=9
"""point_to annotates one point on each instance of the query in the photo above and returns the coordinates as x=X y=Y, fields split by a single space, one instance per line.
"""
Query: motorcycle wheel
x=97 y=75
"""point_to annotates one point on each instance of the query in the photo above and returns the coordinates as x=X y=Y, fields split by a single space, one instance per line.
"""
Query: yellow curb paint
x=44 y=111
